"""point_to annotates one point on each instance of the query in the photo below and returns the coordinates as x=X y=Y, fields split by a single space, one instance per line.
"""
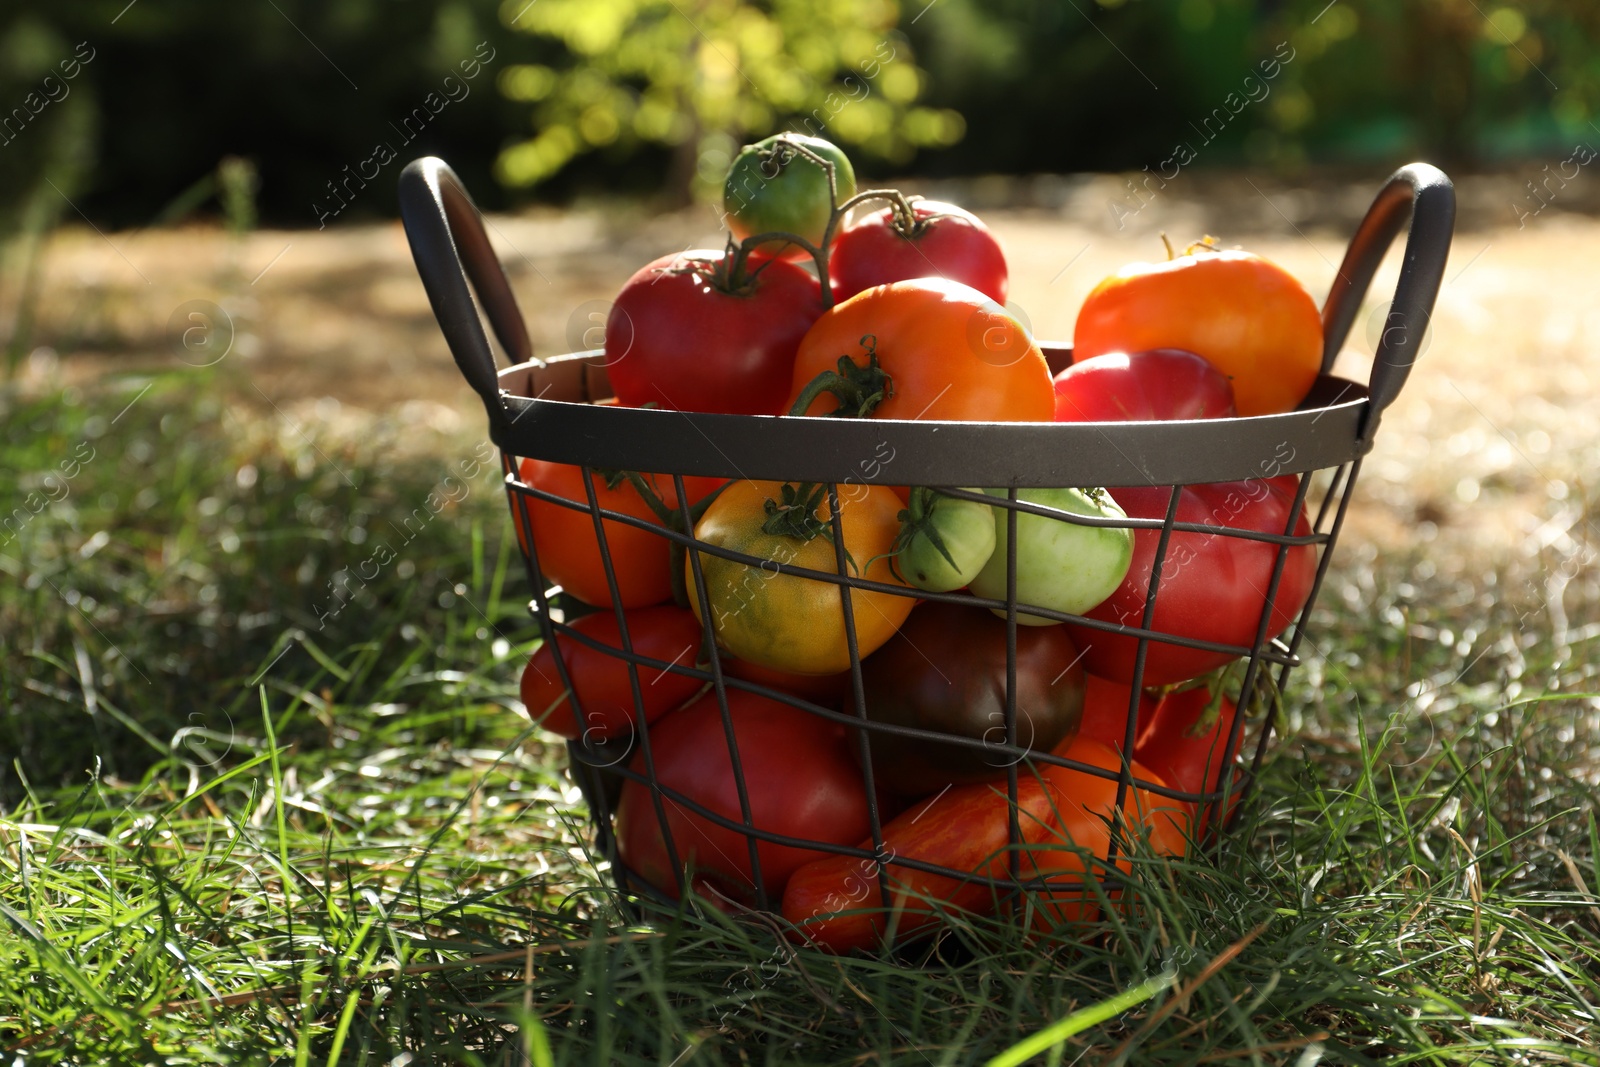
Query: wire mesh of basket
x=556 y=411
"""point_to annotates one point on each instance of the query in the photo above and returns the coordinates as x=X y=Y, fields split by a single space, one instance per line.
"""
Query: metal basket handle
x=1425 y=194
x=448 y=242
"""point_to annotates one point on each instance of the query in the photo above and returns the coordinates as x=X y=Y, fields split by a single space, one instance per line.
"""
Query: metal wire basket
x=547 y=410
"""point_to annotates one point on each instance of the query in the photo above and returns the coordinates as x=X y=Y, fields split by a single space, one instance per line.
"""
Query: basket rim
x=553 y=412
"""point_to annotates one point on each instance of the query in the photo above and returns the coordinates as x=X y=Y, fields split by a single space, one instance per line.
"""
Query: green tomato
x=1060 y=565
x=772 y=188
x=944 y=541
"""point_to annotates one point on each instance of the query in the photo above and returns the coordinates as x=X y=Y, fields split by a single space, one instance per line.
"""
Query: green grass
x=239 y=826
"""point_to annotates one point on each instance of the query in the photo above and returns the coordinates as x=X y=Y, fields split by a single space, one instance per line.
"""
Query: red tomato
x=684 y=336
x=569 y=554
x=836 y=902
x=923 y=349
x=1105 y=710
x=1165 y=383
x=1184 y=741
x=941 y=240
x=800 y=777
x=600 y=680
x=1213 y=587
x=1084 y=806
x=1247 y=317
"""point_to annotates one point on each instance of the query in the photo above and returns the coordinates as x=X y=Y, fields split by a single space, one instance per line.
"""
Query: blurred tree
x=623 y=91
x=703 y=76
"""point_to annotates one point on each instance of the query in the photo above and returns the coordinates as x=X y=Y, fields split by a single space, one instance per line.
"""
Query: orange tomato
x=569 y=554
x=1084 y=803
x=1248 y=317
x=945 y=351
x=817 y=688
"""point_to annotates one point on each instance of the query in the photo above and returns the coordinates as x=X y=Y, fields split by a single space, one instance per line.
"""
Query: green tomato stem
x=858 y=389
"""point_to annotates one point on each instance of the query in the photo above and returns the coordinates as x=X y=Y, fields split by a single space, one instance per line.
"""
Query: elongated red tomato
x=800 y=778
x=1213 y=587
x=1185 y=739
x=1105 y=711
x=686 y=335
x=1164 y=383
x=836 y=902
x=600 y=679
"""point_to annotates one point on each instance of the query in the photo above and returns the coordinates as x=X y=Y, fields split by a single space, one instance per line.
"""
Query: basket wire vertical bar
x=1014 y=826
x=593 y=788
x=1252 y=672
x=858 y=694
x=1136 y=684
x=1328 y=497
x=719 y=687
x=641 y=727
x=1305 y=613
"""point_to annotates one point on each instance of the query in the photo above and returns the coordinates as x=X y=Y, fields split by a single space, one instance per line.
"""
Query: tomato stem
x=740 y=254
x=915 y=518
x=858 y=390
x=795 y=515
x=905 y=221
x=667 y=515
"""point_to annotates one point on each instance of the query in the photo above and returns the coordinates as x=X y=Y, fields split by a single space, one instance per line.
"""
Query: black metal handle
x=450 y=247
x=1423 y=193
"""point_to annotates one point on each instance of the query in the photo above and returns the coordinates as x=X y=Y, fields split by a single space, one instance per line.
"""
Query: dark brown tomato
x=945 y=670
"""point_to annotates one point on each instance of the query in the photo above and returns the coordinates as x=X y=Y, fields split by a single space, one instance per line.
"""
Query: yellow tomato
x=786 y=621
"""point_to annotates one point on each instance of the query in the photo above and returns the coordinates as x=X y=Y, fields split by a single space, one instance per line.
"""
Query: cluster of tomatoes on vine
x=823 y=304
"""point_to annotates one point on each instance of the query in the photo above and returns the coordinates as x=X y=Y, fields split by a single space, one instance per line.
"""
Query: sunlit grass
x=326 y=834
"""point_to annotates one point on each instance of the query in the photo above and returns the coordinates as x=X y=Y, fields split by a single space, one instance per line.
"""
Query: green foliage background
x=645 y=94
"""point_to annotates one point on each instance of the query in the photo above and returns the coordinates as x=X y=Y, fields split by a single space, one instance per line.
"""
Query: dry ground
x=1486 y=452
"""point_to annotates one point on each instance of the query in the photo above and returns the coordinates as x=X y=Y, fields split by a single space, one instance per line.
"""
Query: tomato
x=1164 y=383
x=799 y=776
x=1184 y=741
x=1082 y=824
x=923 y=349
x=600 y=680
x=836 y=902
x=1246 y=316
x=1213 y=587
x=1105 y=710
x=772 y=188
x=785 y=621
x=1060 y=565
x=935 y=239
x=687 y=335
x=818 y=688
x=946 y=671
x=944 y=541
x=569 y=554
